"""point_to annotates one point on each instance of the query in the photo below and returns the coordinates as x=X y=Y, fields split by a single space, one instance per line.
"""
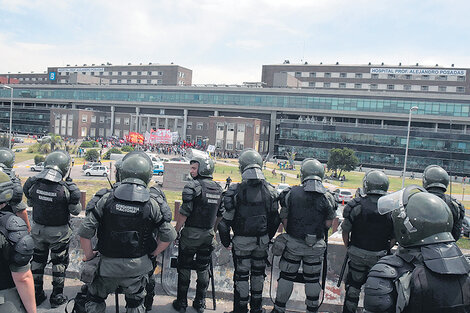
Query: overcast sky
x=228 y=41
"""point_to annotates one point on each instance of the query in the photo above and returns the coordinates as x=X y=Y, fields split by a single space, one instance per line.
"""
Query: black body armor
x=370 y=230
x=307 y=213
x=253 y=204
x=126 y=229
x=205 y=205
x=50 y=207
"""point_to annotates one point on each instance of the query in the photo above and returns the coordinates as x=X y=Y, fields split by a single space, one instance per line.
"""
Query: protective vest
x=307 y=213
x=370 y=230
x=205 y=205
x=50 y=207
x=6 y=281
x=439 y=284
x=125 y=229
x=253 y=203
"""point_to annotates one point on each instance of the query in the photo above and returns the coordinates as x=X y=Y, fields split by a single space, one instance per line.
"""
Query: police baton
x=211 y=268
x=343 y=269
x=109 y=181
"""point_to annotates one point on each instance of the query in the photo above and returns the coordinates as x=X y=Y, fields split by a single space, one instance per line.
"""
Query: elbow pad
x=16 y=232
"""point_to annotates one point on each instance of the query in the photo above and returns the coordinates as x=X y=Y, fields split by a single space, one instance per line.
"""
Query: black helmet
x=311 y=169
x=6 y=188
x=7 y=157
x=206 y=165
x=435 y=176
x=375 y=182
x=250 y=164
x=136 y=169
x=56 y=166
x=419 y=217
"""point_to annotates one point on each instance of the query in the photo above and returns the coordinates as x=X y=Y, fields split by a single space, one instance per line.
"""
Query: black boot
x=180 y=305
x=40 y=296
x=199 y=305
x=256 y=305
x=57 y=299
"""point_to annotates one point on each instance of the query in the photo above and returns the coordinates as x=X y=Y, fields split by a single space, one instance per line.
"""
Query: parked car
x=97 y=170
x=342 y=195
x=466 y=226
x=89 y=165
x=37 y=167
x=158 y=168
x=280 y=188
x=18 y=140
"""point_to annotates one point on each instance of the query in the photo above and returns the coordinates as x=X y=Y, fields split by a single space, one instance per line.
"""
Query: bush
x=107 y=155
x=92 y=155
x=38 y=159
x=89 y=144
x=127 y=148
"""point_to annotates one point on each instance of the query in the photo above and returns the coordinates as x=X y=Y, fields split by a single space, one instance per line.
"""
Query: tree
x=343 y=160
x=92 y=155
x=50 y=143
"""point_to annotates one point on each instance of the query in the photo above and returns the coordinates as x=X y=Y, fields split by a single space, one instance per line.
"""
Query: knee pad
x=133 y=303
x=40 y=256
x=185 y=261
x=258 y=270
x=288 y=276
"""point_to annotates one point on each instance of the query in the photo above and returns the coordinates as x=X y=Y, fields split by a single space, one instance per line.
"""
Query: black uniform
x=427 y=279
x=371 y=234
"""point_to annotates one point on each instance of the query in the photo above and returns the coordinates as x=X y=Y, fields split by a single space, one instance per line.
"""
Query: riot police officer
x=15 y=205
x=307 y=212
x=428 y=272
x=252 y=213
x=435 y=181
x=125 y=220
x=53 y=200
x=16 y=250
x=367 y=234
x=198 y=214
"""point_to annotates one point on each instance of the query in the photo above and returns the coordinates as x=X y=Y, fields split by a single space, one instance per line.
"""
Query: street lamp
x=11 y=112
x=407 y=143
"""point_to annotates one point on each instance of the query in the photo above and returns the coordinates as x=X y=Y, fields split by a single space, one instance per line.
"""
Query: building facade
x=410 y=79
x=148 y=74
x=310 y=122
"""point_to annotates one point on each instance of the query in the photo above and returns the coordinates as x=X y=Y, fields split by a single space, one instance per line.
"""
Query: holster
x=279 y=245
x=89 y=269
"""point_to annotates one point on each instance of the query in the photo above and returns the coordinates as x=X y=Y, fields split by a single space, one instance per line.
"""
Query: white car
x=280 y=188
x=343 y=195
x=97 y=170
x=38 y=167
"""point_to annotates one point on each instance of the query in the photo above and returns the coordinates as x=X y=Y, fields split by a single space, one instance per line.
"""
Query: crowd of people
x=131 y=224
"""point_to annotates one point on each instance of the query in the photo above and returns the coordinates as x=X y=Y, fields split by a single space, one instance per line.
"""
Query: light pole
x=11 y=113
x=407 y=143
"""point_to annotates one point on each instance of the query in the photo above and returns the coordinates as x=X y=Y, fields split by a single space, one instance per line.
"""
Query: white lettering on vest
x=46 y=193
x=126 y=208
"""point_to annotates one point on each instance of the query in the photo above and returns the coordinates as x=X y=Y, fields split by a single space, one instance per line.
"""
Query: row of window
x=458 y=89
x=117 y=120
x=365 y=104
x=381 y=159
x=377 y=76
x=139 y=73
x=374 y=140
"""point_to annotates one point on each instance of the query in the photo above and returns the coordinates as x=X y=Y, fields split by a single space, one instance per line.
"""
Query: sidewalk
x=162 y=303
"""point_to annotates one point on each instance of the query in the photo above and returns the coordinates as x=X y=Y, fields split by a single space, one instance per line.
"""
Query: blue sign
x=52 y=75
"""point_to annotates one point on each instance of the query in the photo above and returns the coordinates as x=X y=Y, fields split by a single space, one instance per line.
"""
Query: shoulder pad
x=28 y=184
x=445 y=258
x=157 y=194
x=16 y=232
x=232 y=190
x=283 y=197
x=355 y=201
x=74 y=191
x=159 y=197
x=229 y=198
x=98 y=195
x=191 y=190
x=383 y=271
x=379 y=295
